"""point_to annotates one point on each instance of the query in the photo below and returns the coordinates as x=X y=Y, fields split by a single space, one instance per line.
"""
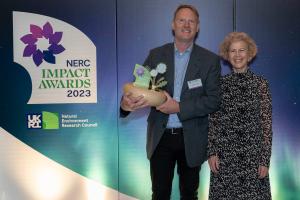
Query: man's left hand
x=170 y=106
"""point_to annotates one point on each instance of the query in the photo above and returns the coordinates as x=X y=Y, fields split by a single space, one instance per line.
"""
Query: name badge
x=194 y=83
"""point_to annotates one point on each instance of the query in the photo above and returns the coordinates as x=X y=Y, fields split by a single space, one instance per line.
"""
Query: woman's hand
x=213 y=162
x=262 y=171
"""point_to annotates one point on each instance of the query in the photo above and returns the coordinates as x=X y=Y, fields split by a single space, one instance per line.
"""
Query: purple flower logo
x=38 y=33
x=140 y=71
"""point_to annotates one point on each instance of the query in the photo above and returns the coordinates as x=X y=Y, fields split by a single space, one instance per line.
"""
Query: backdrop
x=63 y=65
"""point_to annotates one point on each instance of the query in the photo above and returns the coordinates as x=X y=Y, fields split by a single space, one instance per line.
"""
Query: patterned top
x=240 y=133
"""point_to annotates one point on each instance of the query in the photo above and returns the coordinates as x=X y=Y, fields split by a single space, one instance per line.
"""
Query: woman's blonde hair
x=234 y=37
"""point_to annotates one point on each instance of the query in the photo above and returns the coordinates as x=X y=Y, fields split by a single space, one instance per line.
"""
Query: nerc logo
x=60 y=59
x=45 y=33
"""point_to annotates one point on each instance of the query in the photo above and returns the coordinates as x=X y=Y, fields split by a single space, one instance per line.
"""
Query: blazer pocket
x=195 y=92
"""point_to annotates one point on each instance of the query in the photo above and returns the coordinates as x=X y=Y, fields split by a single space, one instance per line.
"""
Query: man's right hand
x=130 y=103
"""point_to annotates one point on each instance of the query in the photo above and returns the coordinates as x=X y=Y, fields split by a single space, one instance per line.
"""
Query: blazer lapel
x=169 y=59
x=192 y=68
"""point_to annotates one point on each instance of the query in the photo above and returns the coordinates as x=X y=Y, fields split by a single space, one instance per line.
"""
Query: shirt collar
x=188 y=50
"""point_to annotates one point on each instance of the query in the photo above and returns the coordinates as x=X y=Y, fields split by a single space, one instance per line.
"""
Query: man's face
x=185 y=25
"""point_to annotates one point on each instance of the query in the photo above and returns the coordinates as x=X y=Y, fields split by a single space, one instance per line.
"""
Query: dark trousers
x=169 y=152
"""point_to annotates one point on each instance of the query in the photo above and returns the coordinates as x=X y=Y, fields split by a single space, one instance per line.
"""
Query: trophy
x=146 y=85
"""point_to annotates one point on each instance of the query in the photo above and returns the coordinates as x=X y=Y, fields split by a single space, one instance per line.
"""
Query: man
x=177 y=130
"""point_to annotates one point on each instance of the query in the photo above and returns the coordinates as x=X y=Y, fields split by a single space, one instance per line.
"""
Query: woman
x=240 y=133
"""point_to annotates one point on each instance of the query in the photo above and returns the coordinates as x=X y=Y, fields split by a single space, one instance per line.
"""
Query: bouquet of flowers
x=145 y=84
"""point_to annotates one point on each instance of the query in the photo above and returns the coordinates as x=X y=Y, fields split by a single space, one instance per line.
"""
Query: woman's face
x=239 y=56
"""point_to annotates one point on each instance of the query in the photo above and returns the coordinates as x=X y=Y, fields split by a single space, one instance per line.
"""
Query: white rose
x=161 y=68
x=153 y=73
